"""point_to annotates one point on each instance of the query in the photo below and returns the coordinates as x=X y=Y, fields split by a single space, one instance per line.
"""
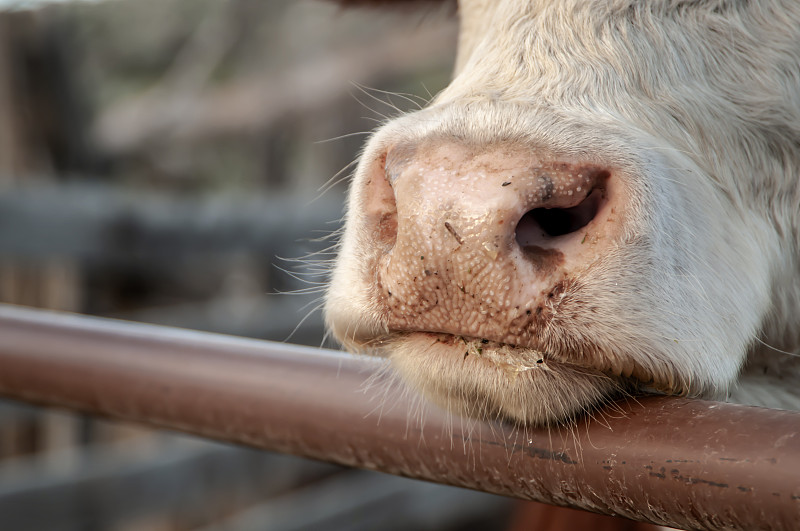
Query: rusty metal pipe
x=684 y=463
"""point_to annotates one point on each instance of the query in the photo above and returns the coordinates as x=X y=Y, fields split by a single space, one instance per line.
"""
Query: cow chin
x=482 y=379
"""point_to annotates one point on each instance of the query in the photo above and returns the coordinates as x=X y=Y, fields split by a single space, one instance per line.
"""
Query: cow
x=604 y=201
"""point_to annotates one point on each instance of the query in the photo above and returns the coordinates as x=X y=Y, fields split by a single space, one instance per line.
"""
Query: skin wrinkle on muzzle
x=601 y=202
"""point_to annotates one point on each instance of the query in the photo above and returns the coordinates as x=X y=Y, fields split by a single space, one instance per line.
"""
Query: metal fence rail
x=685 y=463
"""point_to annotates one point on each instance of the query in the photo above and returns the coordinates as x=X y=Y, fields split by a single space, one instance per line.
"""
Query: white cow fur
x=696 y=104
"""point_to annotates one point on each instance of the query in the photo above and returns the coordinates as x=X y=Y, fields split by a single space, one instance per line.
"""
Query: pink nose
x=482 y=242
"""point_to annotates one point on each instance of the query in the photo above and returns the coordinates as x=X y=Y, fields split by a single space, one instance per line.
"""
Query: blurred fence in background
x=157 y=157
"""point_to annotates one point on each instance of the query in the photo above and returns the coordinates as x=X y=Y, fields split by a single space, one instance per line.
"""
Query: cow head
x=604 y=199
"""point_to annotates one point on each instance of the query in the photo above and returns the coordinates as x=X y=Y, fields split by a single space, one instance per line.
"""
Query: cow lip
x=513 y=358
x=466 y=339
x=517 y=358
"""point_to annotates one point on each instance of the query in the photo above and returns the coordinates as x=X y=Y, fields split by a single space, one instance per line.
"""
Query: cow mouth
x=511 y=358
x=485 y=379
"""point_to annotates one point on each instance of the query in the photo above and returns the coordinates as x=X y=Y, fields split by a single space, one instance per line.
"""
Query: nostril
x=380 y=205
x=559 y=221
x=543 y=223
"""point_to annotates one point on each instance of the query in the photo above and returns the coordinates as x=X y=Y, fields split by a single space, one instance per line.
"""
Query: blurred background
x=168 y=161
